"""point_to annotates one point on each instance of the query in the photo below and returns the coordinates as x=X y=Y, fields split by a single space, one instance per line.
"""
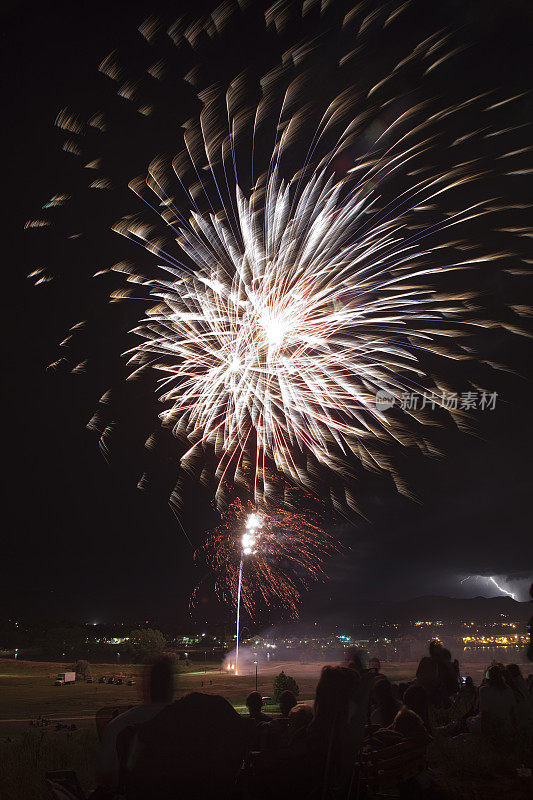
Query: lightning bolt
x=492 y=580
x=501 y=589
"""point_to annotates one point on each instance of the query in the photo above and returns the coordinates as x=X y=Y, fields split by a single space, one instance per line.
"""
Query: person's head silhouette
x=254 y=701
x=161 y=681
x=287 y=700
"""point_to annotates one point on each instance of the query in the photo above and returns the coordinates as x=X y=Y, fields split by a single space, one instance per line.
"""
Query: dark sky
x=79 y=539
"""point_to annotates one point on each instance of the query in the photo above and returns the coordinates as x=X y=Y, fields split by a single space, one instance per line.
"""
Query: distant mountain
x=447 y=609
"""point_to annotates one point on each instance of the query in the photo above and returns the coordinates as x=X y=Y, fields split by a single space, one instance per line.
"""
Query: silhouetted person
x=497 y=705
x=413 y=731
x=427 y=673
x=275 y=734
x=336 y=732
x=158 y=692
x=283 y=770
x=415 y=699
x=467 y=698
x=411 y=726
x=300 y=717
x=375 y=666
x=529 y=651
x=437 y=675
x=254 y=703
x=402 y=688
x=386 y=705
x=524 y=702
x=354 y=660
x=451 y=678
x=457 y=670
x=192 y=749
x=287 y=701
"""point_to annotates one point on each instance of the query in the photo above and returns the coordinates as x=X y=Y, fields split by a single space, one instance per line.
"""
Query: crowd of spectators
x=199 y=747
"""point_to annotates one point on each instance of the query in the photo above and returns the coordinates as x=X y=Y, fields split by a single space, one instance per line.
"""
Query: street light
x=255 y=662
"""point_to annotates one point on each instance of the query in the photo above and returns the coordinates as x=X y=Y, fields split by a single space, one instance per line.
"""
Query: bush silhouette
x=82 y=668
x=284 y=682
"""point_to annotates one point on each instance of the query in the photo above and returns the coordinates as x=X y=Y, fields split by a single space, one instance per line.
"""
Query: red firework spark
x=288 y=556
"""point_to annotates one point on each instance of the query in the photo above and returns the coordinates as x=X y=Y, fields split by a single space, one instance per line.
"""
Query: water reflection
x=508 y=654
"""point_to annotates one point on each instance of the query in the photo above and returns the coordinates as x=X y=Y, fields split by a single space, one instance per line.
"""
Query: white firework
x=286 y=302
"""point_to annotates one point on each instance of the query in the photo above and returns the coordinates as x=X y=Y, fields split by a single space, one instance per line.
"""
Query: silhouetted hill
x=447 y=609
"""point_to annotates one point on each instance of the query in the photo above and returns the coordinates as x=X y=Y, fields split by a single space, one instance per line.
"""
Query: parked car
x=89 y=680
x=111 y=680
x=131 y=682
x=103 y=679
x=119 y=681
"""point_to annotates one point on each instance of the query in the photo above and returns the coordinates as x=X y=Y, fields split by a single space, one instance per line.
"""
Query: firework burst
x=281 y=551
x=309 y=252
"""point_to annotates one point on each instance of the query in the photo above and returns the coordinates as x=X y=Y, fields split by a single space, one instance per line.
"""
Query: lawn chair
x=124 y=744
x=389 y=767
x=64 y=785
x=104 y=716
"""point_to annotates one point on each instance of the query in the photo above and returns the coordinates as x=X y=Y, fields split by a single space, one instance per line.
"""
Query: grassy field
x=27 y=757
x=27 y=688
x=27 y=691
x=468 y=770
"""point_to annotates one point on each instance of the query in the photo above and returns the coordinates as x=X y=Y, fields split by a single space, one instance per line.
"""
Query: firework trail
x=266 y=556
x=307 y=249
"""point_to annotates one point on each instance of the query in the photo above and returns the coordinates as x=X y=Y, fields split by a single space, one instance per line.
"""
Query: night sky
x=79 y=539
